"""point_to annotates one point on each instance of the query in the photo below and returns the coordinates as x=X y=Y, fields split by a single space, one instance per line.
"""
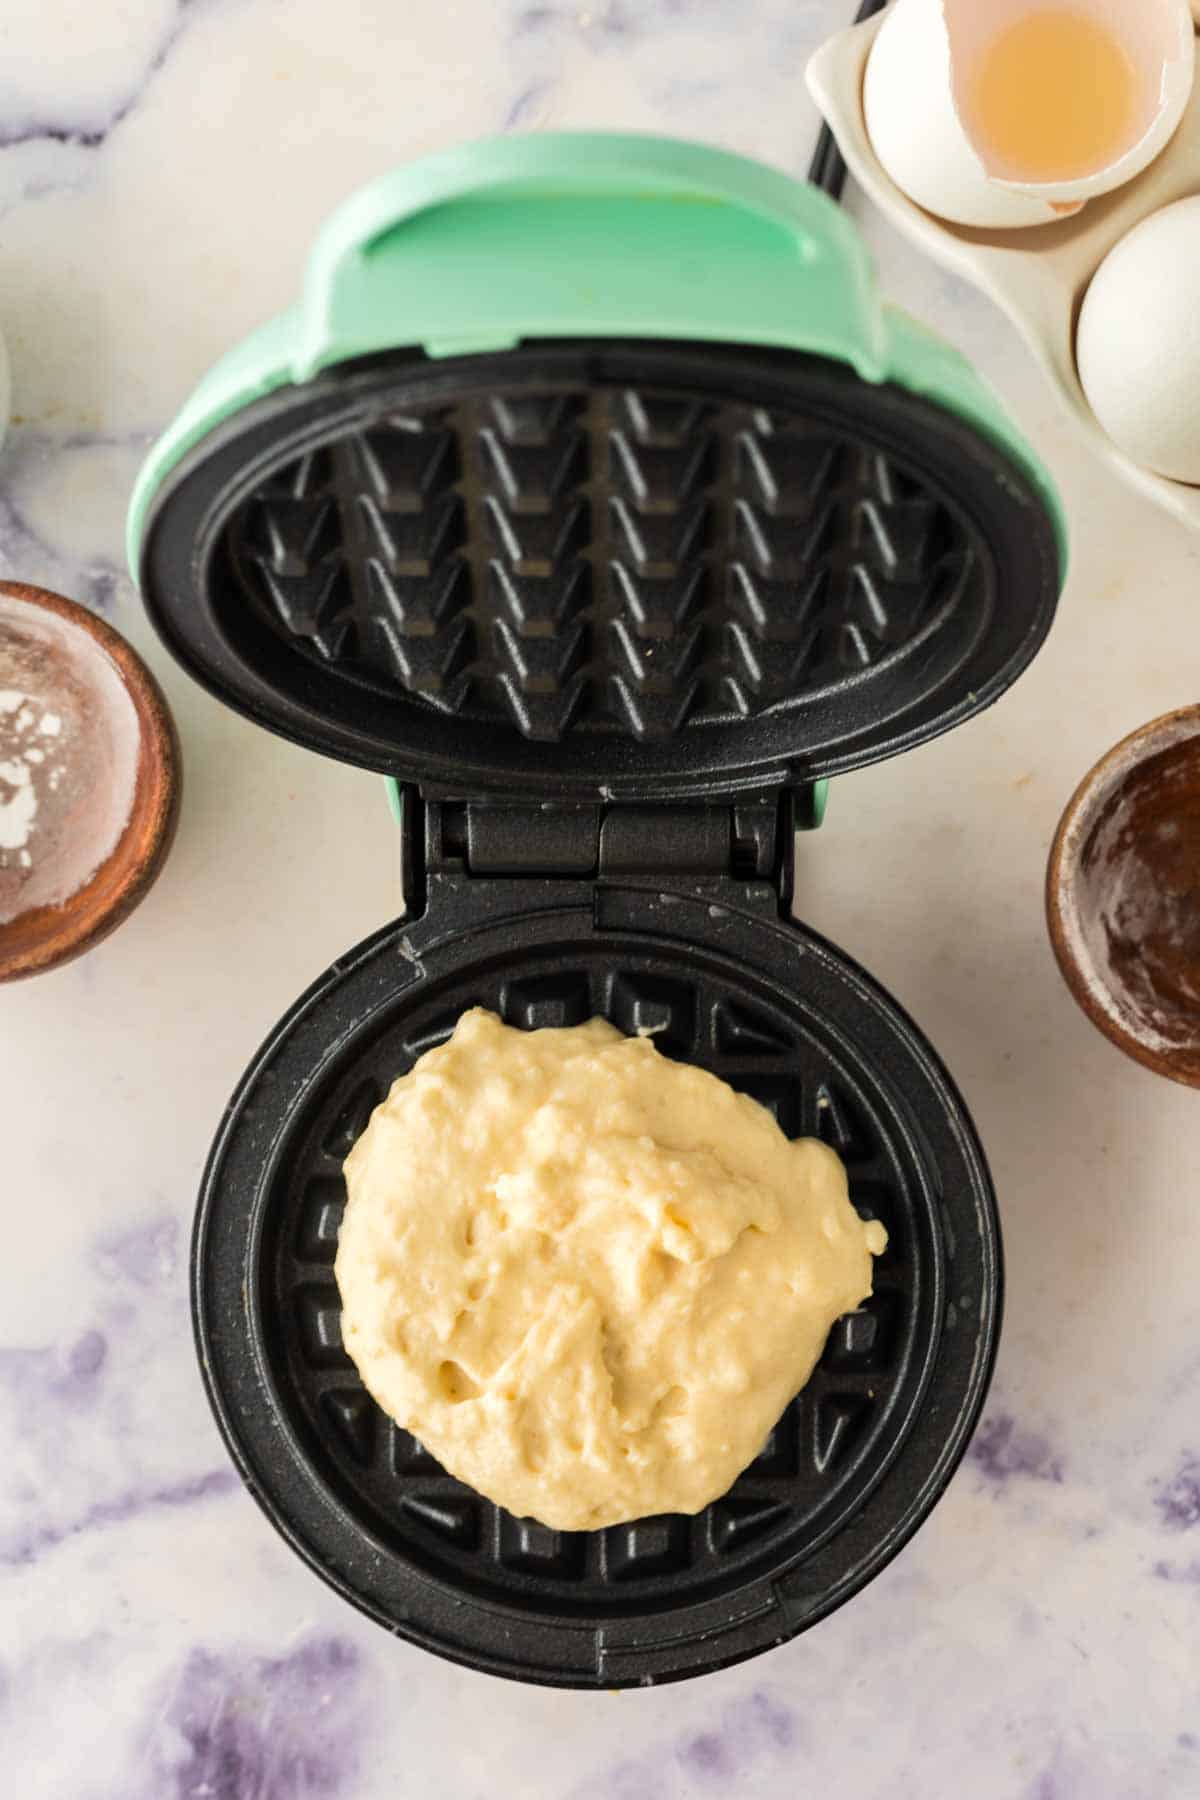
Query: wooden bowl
x=89 y=780
x=1123 y=895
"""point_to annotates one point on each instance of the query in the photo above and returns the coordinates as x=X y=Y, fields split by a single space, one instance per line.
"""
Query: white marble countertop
x=163 y=166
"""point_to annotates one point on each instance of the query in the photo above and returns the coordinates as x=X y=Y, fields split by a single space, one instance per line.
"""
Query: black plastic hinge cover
x=748 y=841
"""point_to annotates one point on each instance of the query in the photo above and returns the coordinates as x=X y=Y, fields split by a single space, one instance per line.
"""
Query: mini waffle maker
x=591 y=495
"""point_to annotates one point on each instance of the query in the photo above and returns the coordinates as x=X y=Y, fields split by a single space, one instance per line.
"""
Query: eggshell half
x=1158 y=37
x=916 y=131
x=915 y=106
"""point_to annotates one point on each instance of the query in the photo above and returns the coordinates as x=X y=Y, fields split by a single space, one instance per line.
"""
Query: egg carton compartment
x=683 y=560
x=396 y=1515
x=1037 y=275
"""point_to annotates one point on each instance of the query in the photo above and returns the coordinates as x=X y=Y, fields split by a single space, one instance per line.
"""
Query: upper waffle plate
x=688 y=570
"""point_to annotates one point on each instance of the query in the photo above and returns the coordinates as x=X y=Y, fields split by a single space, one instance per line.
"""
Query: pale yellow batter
x=587 y=1278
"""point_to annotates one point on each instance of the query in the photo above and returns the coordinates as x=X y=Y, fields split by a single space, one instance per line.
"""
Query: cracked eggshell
x=915 y=130
x=914 y=97
x=1159 y=40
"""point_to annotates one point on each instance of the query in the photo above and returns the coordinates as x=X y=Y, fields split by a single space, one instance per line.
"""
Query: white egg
x=918 y=92
x=1137 y=347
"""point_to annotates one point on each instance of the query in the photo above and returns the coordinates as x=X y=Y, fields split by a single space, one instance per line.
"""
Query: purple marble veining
x=745 y=1733
x=23 y=548
x=610 y=18
x=748 y=1728
x=1002 y=1449
x=21 y=1550
x=271 y=1727
x=618 y=19
x=86 y=1357
x=524 y=108
x=1186 y=1574
x=93 y=136
x=144 y=1257
x=24 y=552
x=532 y=19
x=103 y=581
x=69 y=1378
x=73 y=1412
x=631 y=1780
x=708 y=1754
x=147 y=1256
x=1178 y=1498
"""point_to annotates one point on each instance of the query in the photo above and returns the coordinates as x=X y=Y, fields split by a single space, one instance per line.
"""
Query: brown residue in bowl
x=1123 y=895
x=1140 y=894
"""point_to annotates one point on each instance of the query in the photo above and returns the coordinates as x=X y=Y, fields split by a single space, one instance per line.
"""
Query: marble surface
x=163 y=165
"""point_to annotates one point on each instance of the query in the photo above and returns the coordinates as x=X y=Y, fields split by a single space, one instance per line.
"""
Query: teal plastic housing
x=586 y=236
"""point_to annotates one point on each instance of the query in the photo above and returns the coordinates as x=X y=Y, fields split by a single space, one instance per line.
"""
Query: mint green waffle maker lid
x=581 y=235
x=882 y=553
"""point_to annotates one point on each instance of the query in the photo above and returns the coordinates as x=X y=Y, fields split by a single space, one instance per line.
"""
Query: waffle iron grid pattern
x=573 y=559
x=832 y=1436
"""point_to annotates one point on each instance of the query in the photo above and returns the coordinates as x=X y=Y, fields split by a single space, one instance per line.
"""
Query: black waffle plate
x=855 y=1463
x=641 y=570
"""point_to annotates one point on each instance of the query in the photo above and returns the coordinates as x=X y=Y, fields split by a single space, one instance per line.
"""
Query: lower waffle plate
x=852 y=1467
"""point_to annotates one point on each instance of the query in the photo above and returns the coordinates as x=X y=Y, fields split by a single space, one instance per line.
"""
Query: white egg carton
x=1037 y=275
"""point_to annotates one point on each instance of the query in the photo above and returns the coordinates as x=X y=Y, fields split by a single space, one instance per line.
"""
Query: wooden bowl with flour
x=89 y=780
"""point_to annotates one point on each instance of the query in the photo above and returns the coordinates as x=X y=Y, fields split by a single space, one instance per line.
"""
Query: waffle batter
x=587 y=1278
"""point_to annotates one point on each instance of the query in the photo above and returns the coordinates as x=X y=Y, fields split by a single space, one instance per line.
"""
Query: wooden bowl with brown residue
x=1123 y=895
x=89 y=780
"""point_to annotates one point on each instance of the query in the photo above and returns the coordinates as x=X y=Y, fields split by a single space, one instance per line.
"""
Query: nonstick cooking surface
x=405 y=1537
x=566 y=569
